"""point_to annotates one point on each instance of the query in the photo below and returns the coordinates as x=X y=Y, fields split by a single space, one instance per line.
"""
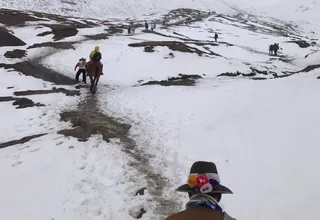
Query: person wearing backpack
x=95 y=57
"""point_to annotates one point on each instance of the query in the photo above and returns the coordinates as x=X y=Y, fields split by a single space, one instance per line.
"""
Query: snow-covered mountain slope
x=295 y=10
x=167 y=98
x=102 y=9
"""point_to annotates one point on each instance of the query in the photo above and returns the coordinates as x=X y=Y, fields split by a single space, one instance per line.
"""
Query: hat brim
x=219 y=189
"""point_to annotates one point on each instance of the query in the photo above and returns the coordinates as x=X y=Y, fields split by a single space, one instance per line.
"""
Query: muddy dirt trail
x=88 y=119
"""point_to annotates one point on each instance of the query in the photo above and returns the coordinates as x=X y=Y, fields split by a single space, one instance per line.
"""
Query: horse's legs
x=91 y=83
x=96 y=78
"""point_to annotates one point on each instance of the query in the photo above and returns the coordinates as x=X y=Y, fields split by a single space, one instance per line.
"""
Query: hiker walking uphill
x=216 y=37
x=146 y=25
x=82 y=69
x=205 y=192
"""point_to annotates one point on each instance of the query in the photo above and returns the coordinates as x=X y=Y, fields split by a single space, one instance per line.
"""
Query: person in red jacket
x=82 y=69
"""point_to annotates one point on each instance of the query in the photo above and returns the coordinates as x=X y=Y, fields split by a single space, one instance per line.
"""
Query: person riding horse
x=94 y=67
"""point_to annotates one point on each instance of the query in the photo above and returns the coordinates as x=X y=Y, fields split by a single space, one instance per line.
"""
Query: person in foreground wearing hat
x=82 y=69
x=205 y=192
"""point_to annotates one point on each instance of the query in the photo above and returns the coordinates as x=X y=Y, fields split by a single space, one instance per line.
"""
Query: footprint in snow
x=34 y=150
x=17 y=163
x=59 y=143
x=83 y=165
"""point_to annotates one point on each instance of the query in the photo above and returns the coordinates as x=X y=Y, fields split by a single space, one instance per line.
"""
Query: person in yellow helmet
x=95 y=56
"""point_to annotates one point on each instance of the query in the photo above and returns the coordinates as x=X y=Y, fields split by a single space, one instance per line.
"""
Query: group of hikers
x=131 y=27
x=93 y=68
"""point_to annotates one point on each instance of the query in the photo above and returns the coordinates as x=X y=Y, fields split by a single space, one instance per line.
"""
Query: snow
x=262 y=135
x=256 y=132
x=112 y=9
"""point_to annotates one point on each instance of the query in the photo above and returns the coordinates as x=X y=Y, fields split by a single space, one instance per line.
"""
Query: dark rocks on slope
x=26 y=103
x=50 y=91
x=8 y=39
x=141 y=191
x=172 y=45
x=14 y=18
x=15 y=53
x=56 y=45
x=33 y=68
x=61 y=31
x=149 y=49
x=301 y=43
x=182 y=80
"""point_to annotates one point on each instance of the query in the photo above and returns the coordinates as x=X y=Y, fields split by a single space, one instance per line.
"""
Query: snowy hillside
x=167 y=98
x=102 y=9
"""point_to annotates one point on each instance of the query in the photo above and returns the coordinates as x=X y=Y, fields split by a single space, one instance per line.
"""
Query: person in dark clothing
x=205 y=192
x=216 y=37
x=146 y=25
x=82 y=69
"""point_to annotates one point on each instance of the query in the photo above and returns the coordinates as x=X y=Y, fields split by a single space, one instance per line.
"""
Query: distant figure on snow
x=205 y=192
x=82 y=69
x=274 y=48
x=146 y=25
x=216 y=37
x=131 y=29
x=153 y=26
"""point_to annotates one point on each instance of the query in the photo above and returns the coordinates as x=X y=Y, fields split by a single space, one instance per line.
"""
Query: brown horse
x=94 y=70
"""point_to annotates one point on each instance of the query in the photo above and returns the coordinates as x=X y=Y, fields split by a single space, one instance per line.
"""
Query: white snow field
x=262 y=134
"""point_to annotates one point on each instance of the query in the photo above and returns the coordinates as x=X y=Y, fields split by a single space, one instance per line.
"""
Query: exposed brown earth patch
x=17 y=53
x=56 y=45
x=301 y=43
x=8 y=39
x=42 y=92
x=26 y=103
x=61 y=31
x=33 y=68
x=182 y=80
x=174 y=46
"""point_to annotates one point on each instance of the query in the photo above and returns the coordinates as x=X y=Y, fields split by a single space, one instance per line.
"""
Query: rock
x=53 y=90
x=301 y=43
x=7 y=99
x=61 y=31
x=230 y=74
x=137 y=212
x=182 y=80
x=149 y=49
x=141 y=191
x=15 y=53
x=8 y=39
x=25 y=103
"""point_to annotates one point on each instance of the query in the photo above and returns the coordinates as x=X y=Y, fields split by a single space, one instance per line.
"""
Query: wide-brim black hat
x=203 y=167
